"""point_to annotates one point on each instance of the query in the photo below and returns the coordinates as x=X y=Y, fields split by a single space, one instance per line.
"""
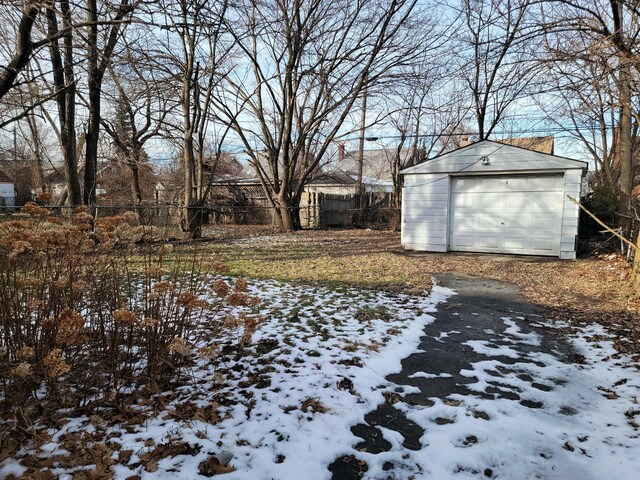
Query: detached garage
x=494 y=198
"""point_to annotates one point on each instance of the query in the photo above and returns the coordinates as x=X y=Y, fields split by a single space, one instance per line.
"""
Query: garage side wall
x=425 y=212
x=570 y=215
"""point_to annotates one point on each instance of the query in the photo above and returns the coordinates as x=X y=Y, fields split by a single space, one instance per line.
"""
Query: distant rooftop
x=537 y=144
x=4 y=178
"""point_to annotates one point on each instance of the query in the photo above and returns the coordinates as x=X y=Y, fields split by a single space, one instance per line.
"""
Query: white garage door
x=519 y=214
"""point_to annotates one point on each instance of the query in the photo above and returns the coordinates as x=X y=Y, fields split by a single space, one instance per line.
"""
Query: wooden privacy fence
x=340 y=210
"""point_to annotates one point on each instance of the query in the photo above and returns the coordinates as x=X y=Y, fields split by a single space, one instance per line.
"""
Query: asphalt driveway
x=492 y=392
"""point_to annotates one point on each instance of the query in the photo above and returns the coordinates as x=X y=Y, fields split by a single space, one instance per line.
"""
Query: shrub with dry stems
x=82 y=322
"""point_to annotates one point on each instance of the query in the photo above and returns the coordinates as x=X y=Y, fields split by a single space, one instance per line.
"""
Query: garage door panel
x=546 y=224
x=465 y=241
x=545 y=202
x=491 y=242
x=549 y=183
x=482 y=222
x=516 y=184
x=516 y=202
x=516 y=223
x=463 y=201
x=515 y=243
x=467 y=184
x=487 y=200
x=542 y=244
x=511 y=214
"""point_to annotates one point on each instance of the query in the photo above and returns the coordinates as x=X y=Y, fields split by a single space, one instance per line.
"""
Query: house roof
x=500 y=157
x=4 y=178
x=376 y=164
x=333 y=177
x=537 y=144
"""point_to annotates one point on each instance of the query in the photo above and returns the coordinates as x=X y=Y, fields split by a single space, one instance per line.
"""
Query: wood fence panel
x=336 y=210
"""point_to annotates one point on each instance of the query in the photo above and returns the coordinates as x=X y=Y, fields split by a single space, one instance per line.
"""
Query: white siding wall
x=572 y=187
x=7 y=194
x=425 y=212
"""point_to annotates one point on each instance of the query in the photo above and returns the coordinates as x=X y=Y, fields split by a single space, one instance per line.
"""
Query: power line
x=550 y=130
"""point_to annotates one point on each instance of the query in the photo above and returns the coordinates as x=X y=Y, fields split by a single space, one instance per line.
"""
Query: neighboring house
x=376 y=167
x=334 y=182
x=56 y=183
x=495 y=198
x=7 y=191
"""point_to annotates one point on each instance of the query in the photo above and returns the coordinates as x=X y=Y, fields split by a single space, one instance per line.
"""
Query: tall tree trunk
x=192 y=214
x=97 y=65
x=288 y=210
x=65 y=85
x=363 y=120
x=136 y=191
x=93 y=124
x=625 y=157
x=37 y=152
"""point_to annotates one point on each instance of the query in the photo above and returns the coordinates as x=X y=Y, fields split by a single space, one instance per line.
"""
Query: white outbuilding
x=495 y=198
x=7 y=191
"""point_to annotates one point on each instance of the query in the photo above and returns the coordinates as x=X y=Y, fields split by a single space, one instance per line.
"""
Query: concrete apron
x=476 y=313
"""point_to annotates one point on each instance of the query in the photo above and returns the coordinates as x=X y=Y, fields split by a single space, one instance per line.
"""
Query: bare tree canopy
x=602 y=37
x=279 y=82
x=23 y=48
x=306 y=63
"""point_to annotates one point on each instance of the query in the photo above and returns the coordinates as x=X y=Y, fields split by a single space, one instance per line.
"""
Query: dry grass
x=370 y=259
x=588 y=289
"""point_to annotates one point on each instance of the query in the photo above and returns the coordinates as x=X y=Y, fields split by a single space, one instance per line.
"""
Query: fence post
x=273 y=219
x=95 y=218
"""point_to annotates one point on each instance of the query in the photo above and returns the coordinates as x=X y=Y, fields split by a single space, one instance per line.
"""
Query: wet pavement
x=469 y=329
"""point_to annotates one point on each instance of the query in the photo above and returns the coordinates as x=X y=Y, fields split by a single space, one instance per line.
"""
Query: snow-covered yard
x=282 y=407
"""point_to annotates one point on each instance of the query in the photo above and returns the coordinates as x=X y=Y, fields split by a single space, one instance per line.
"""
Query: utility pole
x=363 y=121
x=15 y=146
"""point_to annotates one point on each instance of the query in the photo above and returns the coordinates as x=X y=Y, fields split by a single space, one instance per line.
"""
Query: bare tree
x=582 y=102
x=606 y=33
x=141 y=100
x=23 y=46
x=496 y=60
x=64 y=85
x=62 y=33
x=194 y=46
x=424 y=107
x=98 y=60
x=308 y=62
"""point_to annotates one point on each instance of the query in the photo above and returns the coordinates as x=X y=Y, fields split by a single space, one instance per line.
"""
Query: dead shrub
x=239 y=299
x=240 y=285
x=220 y=288
x=90 y=310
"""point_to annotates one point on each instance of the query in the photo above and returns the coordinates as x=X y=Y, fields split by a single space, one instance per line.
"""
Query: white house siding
x=570 y=215
x=7 y=194
x=425 y=200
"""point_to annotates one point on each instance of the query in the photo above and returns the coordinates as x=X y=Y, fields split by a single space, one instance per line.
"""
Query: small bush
x=90 y=313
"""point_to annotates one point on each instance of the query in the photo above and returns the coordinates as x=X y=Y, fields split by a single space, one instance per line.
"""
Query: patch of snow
x=485 y=347
x=275 y=431
x=430 y=375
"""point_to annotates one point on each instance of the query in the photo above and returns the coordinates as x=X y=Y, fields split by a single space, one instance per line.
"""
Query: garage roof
x=487 y=156
x=4 y=178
